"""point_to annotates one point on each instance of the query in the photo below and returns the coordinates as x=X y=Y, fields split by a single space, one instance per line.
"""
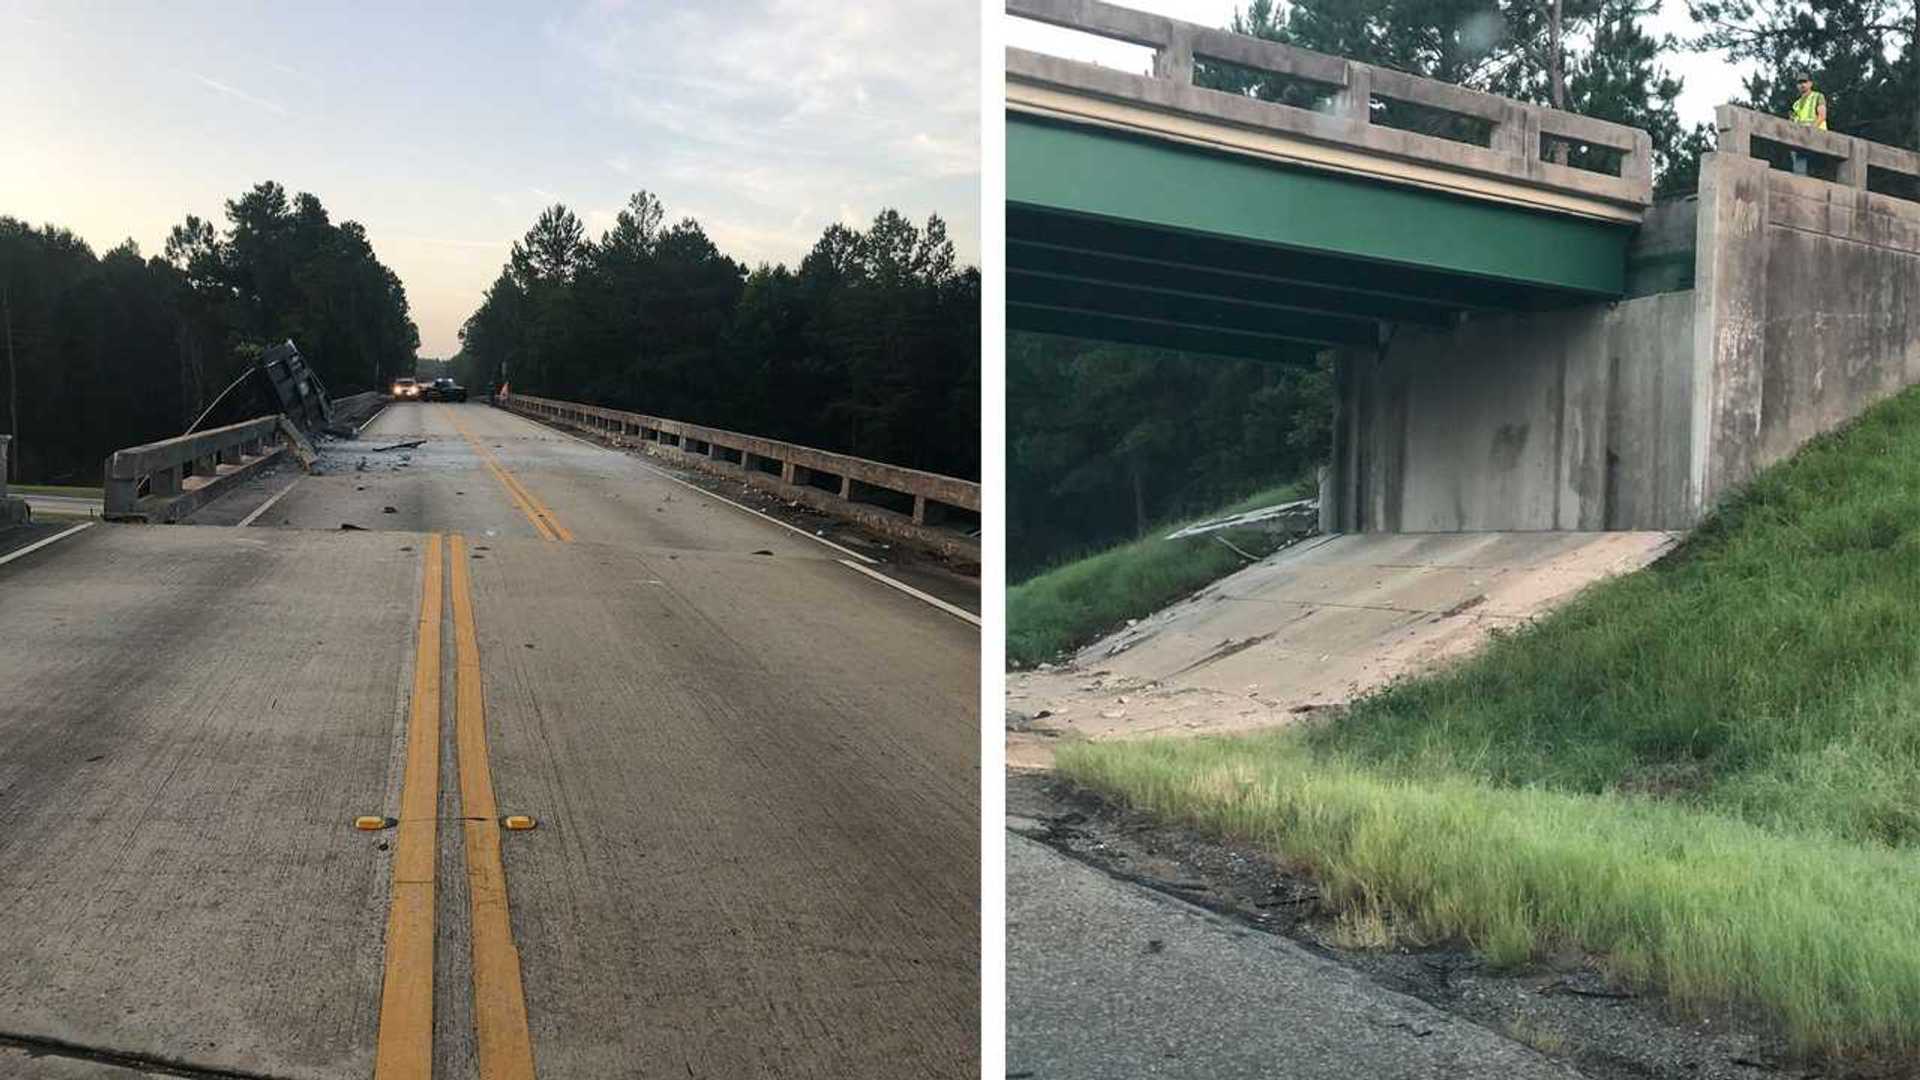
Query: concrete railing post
x=846 y=488
x=1853 y=170
x=120 y=494
x=1638 y=165
x=1517 y=133
x=5 y=441
x=165 y=481
x=1174 y=60
x=1734 y=133
x=1355 y=101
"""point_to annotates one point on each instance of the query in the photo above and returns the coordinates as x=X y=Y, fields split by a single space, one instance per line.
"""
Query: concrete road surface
x=753 y=771
x=1107 y=979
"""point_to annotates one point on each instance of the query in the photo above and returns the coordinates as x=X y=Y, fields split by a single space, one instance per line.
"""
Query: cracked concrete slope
x=1313 y=625
x=755 y=774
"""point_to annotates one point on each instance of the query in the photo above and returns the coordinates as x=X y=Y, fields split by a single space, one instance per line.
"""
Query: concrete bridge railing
x=1506 y=150
x=185 y=472
x=1842 y=159
x=927 y=509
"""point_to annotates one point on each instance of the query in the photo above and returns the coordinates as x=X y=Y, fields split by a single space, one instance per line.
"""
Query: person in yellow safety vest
x=1810 y=108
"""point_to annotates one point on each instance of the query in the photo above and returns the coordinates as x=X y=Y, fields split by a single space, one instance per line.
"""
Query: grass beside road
x=1819 y=935
x=53 y=489
x=1075 y=603
x=1707 y=772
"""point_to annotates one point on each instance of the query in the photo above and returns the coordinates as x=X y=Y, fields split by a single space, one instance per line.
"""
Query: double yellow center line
x=547 y=525
x=405 y=1047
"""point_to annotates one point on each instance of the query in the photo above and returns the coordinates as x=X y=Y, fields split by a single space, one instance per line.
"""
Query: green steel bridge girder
x=1118 y=237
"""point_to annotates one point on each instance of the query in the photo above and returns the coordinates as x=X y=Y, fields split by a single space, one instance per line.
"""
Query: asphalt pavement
x=753 y=773
x=1107 y=979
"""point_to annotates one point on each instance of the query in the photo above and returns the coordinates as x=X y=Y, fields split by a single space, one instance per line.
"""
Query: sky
x=1708 y=79
x=445 y=128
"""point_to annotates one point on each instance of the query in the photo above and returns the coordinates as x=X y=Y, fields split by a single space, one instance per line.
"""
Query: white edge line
x=370 y=419
x=665 y=475
x=262 y=508
x=913 y=592
x=38 y=544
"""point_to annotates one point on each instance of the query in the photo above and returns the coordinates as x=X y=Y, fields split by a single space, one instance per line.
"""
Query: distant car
x=405 y=389
x=444 y=390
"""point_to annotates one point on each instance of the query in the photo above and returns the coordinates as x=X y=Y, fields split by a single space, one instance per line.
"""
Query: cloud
x=236 y=92
x=755 y=109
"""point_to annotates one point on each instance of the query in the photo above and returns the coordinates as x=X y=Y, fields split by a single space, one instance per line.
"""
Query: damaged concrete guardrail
x=186 y=472
x=354 y=409
x=921 y=508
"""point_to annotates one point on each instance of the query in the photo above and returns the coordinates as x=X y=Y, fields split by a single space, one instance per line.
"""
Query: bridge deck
x=754 y=772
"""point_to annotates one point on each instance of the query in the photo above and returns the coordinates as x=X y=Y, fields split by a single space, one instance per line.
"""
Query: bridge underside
x=1114 y=237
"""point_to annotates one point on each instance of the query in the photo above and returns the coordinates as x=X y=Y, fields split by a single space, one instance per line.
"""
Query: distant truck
x=444 y=390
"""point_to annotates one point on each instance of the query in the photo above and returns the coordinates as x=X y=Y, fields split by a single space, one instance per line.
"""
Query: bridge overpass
x=750 y=754
x=1149 y=209
x=1522 y=338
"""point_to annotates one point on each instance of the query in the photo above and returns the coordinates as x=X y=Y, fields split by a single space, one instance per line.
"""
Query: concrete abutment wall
x=1797 y=308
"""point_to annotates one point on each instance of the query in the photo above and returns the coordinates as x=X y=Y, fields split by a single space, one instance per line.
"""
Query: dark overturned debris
x=400 y=446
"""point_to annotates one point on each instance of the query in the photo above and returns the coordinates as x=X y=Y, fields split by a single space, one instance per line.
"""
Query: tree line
x=870 y=347
x=1105 y=441
x=103 y=352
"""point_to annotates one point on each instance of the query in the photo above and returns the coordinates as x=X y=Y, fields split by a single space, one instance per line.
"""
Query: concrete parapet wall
x=184 y=473
x=930 y=505
x=1803 y=309
x=354 y=408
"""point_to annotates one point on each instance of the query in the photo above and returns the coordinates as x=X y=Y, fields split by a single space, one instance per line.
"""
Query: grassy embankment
x=1076 y=602
x=1707 y=773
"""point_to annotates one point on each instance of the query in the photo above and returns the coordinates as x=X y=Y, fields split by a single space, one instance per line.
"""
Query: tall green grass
x=1075 y=603
x=1708 y=771
x=1715 y=910
x=1770 y=670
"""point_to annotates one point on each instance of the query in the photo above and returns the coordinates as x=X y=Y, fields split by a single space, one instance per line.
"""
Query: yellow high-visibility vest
x=1807 y=110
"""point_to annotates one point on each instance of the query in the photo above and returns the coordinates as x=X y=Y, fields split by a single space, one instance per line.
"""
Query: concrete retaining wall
x=1799 y=309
